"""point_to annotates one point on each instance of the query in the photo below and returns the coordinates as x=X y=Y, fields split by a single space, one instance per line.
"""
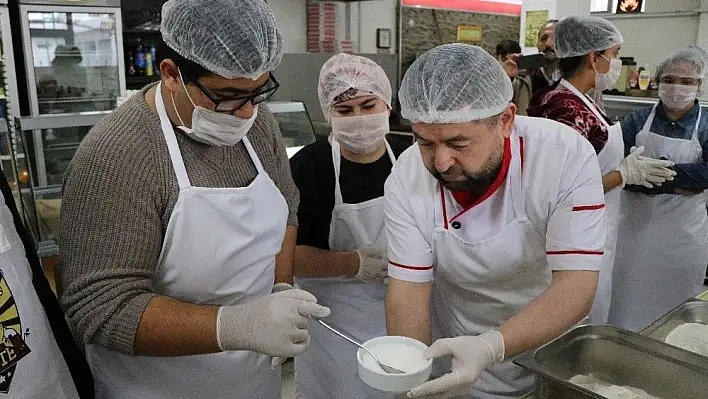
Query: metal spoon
x=388 y=369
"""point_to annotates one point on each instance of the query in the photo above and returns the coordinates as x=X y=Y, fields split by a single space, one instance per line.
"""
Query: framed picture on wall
x=383 y=38
x=469 y=33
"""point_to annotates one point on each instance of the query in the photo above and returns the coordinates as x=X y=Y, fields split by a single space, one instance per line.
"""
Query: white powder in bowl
x=400 y=355
x=607 y=390
x=691 y=337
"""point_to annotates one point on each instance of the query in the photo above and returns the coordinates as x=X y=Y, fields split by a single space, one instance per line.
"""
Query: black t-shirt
x=313 y=172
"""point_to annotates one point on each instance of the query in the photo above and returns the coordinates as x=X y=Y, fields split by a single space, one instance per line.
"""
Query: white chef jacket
x=563 y=199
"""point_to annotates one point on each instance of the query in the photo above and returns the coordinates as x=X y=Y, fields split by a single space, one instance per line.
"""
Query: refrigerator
x=12 y=160
x=73 y=53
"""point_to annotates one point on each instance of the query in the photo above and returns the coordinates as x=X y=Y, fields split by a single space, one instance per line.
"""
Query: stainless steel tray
x=691 y=311
x=617 y=357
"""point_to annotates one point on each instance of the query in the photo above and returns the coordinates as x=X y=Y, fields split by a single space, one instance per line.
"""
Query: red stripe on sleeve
x=418 y=268
x=575 y=252
x=588 y=208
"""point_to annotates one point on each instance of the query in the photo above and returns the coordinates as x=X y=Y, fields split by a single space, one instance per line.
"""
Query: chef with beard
x=495 y=226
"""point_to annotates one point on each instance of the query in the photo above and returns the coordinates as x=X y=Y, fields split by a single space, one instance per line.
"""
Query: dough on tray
x=691 y=337
x=608 y=390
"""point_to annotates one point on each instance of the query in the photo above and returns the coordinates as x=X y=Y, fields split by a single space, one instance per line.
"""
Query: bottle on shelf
x=131 y=64
x=644 y=78
x=148 y=64
x=156 y=68
x=140 y=57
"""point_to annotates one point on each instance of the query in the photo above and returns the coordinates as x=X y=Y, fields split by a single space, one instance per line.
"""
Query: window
x=600 y=5
x=610 y=6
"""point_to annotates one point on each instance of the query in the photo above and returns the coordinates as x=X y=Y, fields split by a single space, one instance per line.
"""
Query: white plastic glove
x=470 y=356
x=373 y=265
x=648 y=172
x=277 y=361
x=274 y=324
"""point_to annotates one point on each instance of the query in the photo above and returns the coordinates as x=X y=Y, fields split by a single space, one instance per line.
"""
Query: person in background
x=588 y=48
x=341 y=246
x=36 y=337
x=543 y=78
x=663 y=247
x=486 y=249
x=180 y=213
x=507 y=53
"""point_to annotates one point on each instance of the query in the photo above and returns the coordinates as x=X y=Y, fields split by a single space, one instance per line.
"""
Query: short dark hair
x=550 y=21
x=187 y=67
x=570 y=66
x=508 y=47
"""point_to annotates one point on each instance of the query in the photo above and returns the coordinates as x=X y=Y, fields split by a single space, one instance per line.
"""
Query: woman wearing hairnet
x=662 y=249
x=588 y=48
x=179 y=210
x=341 y=245
x=495 y=226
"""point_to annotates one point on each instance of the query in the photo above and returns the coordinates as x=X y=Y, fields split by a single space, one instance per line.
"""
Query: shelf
x=9 y=158
x=73 y=100
x=141 y=32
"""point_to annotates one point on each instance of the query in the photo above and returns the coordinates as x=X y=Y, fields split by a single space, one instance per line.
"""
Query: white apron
x=480 y=285
x=31 y=364
x=663 y=246
x=609 y=158
x=219 y=249
x=328 y=368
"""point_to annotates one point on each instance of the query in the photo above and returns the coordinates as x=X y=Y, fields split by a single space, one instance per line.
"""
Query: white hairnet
x=232 y=38
x=345 y=71
x=688 y=63
x=454 y=83
x=575 y=36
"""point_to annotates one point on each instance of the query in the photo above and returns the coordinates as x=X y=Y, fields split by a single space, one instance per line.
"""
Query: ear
x=507 y=119
x=170 y=75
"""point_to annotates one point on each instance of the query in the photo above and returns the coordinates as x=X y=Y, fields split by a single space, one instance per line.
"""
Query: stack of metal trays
x=691 y=311
x=617 y=357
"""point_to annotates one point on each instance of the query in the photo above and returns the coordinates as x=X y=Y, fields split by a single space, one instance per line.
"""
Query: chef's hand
x=274 y=324
x=373 y=265
x=648 y=172
x=470 y=356
x=277 y=361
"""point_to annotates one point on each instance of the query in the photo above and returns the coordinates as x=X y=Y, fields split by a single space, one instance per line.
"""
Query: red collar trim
x=501 y=177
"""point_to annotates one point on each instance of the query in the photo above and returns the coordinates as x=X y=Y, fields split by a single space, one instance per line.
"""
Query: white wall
x=379 y=14
x=649 y=38
x=292 y=21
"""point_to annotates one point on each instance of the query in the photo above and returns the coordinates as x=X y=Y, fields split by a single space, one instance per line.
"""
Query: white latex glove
x=373 y=265
x=648 y=172
x=470 y=356
x=274 y=324
x=277 y=361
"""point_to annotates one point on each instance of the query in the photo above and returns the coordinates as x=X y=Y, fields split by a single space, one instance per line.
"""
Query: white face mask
x=677 y=97
x=361 y=134
x=215 y=128
x=608 y=80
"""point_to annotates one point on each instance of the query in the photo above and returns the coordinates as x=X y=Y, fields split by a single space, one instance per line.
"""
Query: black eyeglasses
x=235 y=103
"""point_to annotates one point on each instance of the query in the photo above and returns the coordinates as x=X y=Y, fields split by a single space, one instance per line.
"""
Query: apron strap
x=337 y=161
x=171 y=138
x=587 y=101
x=254 y=156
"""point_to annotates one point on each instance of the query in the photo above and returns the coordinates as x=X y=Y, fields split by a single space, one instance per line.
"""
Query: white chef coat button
x=456 y=225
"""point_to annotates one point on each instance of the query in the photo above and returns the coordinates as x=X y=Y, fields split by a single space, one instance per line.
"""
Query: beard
x=476 y=183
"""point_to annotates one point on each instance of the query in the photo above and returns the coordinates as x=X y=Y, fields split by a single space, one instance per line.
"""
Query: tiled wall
x=420 y=32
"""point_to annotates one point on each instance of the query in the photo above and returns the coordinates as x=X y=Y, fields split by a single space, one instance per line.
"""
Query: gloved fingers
x=296 y=293
x=277 y=361
x=299 y=336
x=437 y=387
x=657 y=179
x=302 y=322
x=647 y=184
x=439 y=348
x=312 y=309
x=637 y=150
x=655 y=163
x=662 y=172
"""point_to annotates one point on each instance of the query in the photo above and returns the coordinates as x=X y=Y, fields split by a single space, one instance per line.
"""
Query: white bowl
x=403 y=353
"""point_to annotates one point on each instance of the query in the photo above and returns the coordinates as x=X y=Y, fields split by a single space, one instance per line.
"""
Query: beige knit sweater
x=119 y=192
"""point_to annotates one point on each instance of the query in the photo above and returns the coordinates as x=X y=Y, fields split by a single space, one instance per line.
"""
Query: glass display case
x=74 y=62
x=617 y=107
x=295 y=124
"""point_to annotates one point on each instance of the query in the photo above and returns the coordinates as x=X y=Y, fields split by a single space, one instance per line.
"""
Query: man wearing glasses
x=179 y=220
